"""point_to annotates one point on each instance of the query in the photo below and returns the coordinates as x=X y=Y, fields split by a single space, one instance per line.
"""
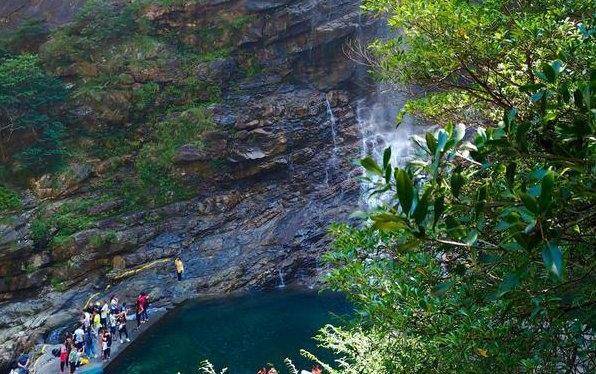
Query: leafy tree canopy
x=482 y=256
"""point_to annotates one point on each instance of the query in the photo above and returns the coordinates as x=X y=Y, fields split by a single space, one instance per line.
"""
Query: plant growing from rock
x=30 y=129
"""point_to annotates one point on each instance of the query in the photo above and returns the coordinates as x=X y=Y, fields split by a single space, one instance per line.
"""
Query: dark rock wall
x=264 y=218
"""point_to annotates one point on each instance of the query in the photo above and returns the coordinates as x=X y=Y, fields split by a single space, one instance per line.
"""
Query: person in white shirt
x=79 y=337
x=105 y=310
x=112 y=323
x=86 y=320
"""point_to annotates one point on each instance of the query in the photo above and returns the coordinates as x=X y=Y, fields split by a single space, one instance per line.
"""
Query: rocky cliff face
x=287 y=136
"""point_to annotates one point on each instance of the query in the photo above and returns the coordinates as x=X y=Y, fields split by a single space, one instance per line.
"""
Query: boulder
x=337 y=98
x=216 y=71
x=248 y=125
x=257 y=144
x=190 y=153
x=69 y=181
x=105 y=207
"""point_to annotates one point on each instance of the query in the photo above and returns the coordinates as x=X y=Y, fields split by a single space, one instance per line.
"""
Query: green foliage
x=58 y=284
x=486 y=50
x=145 y=96
x=40 y=230
x=135 y=81
x=98 y=24
x=434 y=106
x=155 y=183
x=481 y=258
x=9 y=200
x=26 y=37
x=137 y=77
x=103 y=239
x=57 y=228
x=29 y=98
x=252 y=67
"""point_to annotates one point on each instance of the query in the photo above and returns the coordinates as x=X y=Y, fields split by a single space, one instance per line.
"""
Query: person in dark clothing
x=121 y=321
x=106 y=344
x=138 y=313
x=23 y=364
x=73 y=360
x=90 y=344
x=144 y=300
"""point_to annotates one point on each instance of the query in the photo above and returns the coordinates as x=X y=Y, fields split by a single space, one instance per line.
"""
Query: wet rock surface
x=262 y=216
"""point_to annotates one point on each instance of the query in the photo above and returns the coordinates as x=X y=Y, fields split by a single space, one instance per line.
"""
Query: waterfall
x=281 y=283
x=376 y=115
x=333 y=122
x=333 y=161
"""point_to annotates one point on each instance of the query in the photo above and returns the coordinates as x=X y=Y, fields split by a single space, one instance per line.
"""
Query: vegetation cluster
x=481 y=257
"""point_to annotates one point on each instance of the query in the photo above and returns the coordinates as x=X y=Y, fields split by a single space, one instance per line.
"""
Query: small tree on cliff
x=30 y=131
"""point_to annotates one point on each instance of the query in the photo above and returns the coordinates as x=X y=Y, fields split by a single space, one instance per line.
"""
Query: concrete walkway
x=47 y=363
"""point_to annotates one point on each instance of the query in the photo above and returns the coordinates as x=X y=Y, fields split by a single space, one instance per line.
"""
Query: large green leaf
x=553 y=259
x=388 y=221
x=388 y=171
x=548 y=73
x=442 y=139
x=370 y=165
x=459 y=132
x=510 y=281
x=509 y=117
x=386 y=157
x=405 y=190
x=439 y=208
x=431 y=142
x=557 y=66
x=530 y=203
x=457 y=182
x=422 y=207
x=546 y=191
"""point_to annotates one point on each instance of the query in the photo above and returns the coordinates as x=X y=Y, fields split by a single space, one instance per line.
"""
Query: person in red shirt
x=63 y=357
x=143 y=302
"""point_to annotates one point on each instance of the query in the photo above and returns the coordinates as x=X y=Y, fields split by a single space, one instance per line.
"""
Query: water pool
x=243 y=333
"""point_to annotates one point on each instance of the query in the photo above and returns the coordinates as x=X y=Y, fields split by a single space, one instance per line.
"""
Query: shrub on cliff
x=9 y=199
x=30 y=128
x=25 y=38
x=482 y=258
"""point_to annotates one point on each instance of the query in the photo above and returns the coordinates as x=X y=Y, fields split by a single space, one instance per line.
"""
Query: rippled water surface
x=242 y=333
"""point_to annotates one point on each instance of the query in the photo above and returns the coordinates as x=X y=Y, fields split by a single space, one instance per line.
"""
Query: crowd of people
x=100 y=324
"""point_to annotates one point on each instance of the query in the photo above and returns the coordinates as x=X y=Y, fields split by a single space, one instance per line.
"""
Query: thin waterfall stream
x=333 y=161
x=282 y=283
